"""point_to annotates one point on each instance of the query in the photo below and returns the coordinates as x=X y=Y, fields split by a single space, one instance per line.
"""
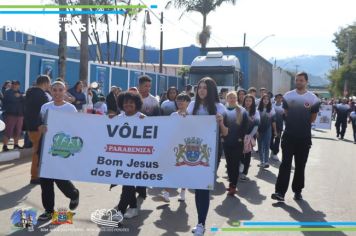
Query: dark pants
x=141 y=192
x=275 y=141
x=233 y=155
x=202 y=202
x=246 y=160
x=341 y=123
x=47 y=186
x=299 y=148
x=128 y=198
x=354 y=129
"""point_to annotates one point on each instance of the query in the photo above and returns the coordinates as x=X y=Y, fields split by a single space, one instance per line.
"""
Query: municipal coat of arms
x=192 y=153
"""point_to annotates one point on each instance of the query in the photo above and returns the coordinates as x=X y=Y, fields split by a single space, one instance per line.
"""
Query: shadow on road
x=15 y=163
x=267 y=176
x=14 y=198
x=250 y=192
x=307 y=214
x=173 y=222
x=234 y=210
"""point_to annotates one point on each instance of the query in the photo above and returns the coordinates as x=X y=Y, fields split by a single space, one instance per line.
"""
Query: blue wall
x=12 y=67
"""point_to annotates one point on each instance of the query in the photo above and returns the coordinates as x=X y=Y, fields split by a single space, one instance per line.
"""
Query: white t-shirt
x=168 y=107
x=66 y=107
x=220 y=109
x=137 y=115
x=150 y=105
x=101 y=107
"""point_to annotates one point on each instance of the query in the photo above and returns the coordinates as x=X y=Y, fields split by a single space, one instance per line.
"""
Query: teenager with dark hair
x=169 y=106
x=253 y=122
x=206 y=103
x=266 y=129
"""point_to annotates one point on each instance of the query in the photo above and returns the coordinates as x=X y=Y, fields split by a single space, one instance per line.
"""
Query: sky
x=289 y=27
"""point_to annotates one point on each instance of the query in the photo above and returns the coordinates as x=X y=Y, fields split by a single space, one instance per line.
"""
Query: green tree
x=343 y=78
x=204 y=7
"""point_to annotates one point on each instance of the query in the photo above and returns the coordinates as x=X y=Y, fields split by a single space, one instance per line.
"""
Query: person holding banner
x=47 y=185
x=182 y=101
x=236 y=122
x=130 y=104
x=206 y=103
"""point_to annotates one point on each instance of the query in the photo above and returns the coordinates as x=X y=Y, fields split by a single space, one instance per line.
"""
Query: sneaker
x=165 y=196
x=261 y=165
x=278 y=197
x=5 y=148
x=35 y=181
x=74 y=202
x=198 y=230
x=139 y=202
x=118 y=217
x=232 y=191
x=17 y=147
x=131 y=213
x=46 y=216
x=243 y=177
x=266 y=165
x=298 y=197
x=182 y=196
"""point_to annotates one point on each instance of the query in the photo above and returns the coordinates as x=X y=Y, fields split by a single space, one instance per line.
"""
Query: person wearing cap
x=13 y=106
x=275 y=141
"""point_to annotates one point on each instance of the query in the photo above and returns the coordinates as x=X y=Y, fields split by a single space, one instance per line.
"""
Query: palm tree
x=62 y=47
x=204 y=7
x=84 y=49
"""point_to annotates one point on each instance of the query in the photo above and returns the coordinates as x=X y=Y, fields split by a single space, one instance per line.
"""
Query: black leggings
x=233 y=155
x=246 y=160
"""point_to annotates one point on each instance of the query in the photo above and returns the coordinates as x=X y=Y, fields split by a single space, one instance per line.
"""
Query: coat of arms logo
x=192 y=153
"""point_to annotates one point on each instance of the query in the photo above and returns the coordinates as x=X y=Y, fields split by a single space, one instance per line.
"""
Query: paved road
x=330 y=195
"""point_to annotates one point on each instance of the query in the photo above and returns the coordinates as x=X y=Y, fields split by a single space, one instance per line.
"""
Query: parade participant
x=352 y=120
x=169 y=106
x=130 y=104
x=236 y=122
x=182 y=101
x=263 y=91
x=252 y=127
x=300 y=110
x=275 y=140
x=252 y=91
x=206 y=103
x=241 y=93
x=35 y=98
x=47 y=185
x=342 y=112
x=150 y=107
x=266 y=129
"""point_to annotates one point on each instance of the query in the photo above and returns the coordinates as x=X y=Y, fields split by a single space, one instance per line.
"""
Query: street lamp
x=268 y=36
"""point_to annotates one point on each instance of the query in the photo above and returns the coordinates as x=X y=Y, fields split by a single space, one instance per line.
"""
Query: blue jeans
x=264 y=140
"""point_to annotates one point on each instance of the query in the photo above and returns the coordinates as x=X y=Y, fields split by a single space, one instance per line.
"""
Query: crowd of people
x=245 y=121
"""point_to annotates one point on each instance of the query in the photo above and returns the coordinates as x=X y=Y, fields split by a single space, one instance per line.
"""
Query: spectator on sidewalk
x=112 y=102
x=13 y=106
x=77 y=93
x=35 y=98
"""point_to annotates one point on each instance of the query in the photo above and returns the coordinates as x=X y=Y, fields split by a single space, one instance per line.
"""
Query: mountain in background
x=317 y=67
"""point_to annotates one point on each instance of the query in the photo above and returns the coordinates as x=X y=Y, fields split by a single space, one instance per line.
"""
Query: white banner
x=323 y=120
x=172 y=152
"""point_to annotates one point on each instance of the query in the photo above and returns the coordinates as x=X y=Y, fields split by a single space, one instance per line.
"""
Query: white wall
x=281 y=81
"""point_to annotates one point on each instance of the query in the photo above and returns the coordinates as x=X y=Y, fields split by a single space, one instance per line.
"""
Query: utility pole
x=244 y=40
x=161 y=46
x=346 y=82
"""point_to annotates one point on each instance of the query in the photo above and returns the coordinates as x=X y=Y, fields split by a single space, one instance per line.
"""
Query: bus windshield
x=221 y=79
